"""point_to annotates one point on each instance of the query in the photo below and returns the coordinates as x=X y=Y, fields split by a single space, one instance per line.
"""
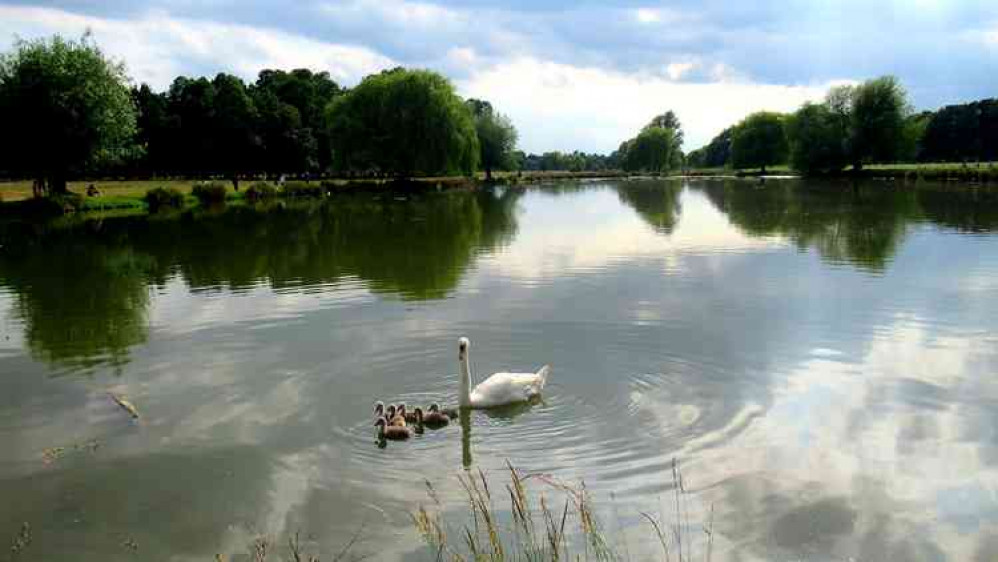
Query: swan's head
x=380 y=423
x=419 y=414
x=401 y=409
x=391 y=410
x=462 y=347
x=379 y=408
x=434 y=407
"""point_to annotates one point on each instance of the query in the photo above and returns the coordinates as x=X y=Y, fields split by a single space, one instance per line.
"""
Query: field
x=112 y=191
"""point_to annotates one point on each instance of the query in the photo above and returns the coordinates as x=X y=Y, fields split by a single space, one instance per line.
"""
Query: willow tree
x=404 y=123
x=759 y=141
x=65 y=106
x=879 y=110
x=496 y=137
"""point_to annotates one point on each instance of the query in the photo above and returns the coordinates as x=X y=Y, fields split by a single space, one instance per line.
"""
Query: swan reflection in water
x=503 y=413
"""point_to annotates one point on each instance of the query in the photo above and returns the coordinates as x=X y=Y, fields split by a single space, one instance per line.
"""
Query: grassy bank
x=134 y=195
x=982 y=172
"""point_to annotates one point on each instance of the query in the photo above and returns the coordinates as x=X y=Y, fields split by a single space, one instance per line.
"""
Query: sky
x=572 y=75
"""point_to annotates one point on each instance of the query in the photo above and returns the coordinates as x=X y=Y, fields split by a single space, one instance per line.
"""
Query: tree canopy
x=879 y=108
x=657 y=148
x=403 y=122
x=496 y=137
x=65 y=106
x=759 y=141
x=716 y=154
x=964 y=132
x=816 y=140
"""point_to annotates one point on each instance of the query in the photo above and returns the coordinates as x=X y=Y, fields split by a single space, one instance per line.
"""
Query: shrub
x=160 y=197
x=213 y=192
x=261 y=190
x=302 y=189
x=68 y=202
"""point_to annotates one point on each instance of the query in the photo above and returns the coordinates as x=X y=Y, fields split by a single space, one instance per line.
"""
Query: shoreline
x=127 y=196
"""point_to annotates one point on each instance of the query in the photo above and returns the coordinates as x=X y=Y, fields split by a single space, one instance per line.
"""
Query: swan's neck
x=464 y=396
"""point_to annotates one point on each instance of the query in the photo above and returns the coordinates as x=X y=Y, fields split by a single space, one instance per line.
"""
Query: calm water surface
x=822 y=361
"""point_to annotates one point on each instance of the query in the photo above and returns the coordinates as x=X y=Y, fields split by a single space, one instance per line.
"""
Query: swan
x=500 y=388
x=432 y=419
x=451 y=413
x=409 y=417
x=393 y=432
x=393 y=417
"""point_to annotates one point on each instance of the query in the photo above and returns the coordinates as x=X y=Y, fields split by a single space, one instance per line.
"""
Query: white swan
x=500 y=388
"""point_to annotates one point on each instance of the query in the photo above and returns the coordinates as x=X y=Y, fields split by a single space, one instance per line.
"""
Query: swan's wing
x=507 y=388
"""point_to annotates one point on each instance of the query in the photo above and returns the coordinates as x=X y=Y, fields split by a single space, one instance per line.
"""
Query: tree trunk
x=763 y=169
x=488 y=174
x=235 y=182
x=56 y=184
x=38 y=187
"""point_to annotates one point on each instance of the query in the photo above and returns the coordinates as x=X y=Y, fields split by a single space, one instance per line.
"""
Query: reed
x=534 y=518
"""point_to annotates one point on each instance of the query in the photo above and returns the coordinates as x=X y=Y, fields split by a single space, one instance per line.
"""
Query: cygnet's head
x=434 y=407
x=379 y=408
x=419 y=414
x=401 y=409
x=462 y=347
x=380 y=422
x=391 y=410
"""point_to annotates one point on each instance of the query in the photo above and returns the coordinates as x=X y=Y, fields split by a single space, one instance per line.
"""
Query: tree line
x=70 y=111
x=868 y=123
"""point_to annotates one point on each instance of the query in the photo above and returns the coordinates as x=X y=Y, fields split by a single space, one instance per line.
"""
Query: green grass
x=942 y=171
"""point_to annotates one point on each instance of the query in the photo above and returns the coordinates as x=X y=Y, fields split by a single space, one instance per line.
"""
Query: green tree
x=669 y=121
x=287 y=145
x=652 y=150
x=759 y=141
x=879 y=110
x=236 y=143
x=152 y=120
x=815 y=138
x=496 y=137
x=718 y=153
x=302 y=141
x=192 y=139
x=64 y=106
x=403 y=122
x=960 y=133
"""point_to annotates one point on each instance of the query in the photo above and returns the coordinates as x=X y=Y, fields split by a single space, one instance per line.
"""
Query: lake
x=819 y=358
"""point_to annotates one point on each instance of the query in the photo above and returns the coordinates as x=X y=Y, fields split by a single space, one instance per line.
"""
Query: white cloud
x=402 y=13
x=677 y=70
x=647 y=15
x=554 y=105
x=157 y=47
x=656 y=16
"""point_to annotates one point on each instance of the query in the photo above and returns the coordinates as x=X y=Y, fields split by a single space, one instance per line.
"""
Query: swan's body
x=393 y=432
x=433 y=418
x=500 y=388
